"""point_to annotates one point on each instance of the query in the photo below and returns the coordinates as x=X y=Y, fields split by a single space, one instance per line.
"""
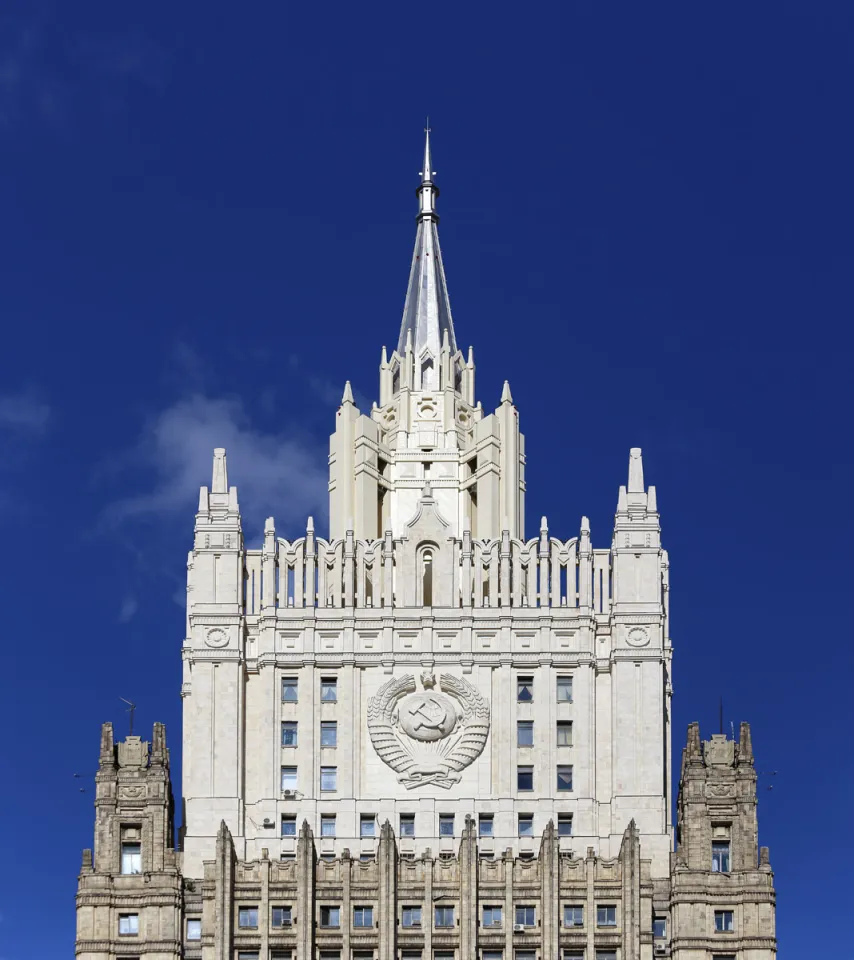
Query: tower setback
x=427 y=735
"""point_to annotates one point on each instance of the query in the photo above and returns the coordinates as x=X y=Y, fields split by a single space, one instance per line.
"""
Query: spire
x=427 y=311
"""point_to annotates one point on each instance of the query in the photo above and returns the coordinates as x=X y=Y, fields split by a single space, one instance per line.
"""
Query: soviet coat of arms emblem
x=428 y=736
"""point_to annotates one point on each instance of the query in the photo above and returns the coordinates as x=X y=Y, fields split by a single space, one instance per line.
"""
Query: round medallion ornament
x=216 y=638
x=637 y=637
x=427 y=716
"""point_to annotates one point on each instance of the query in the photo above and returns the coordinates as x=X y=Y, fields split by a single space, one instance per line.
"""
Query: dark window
x=720 y=856
x=289 y=826
x=329 y=690
x=526 y=916
x=525 y=733
x=289 y=733
x=526 y=825
x=329 y=778
x=492 y=916
x=525 y=689
x=411 y=917
x=564 y=733
x=247 y=917
x=573 y=916
x=290 y=690
x=367 y=825
x=327 y=825
x=281 y=916
x=524 y=778
x=564 y=824
x=564 y=778
x=328 y=733
x=485 y=823
x=659 y=927
x=446 y=825
x=606 y=916
x=564 y=689
x=723 y=921
x=444 y=916
x=363 y=916
x=330 y=916
x=407 y=824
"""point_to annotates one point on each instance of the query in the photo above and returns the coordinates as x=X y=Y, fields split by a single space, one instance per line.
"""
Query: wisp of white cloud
x=24 y=413
x=128 y=609
x=276 y=475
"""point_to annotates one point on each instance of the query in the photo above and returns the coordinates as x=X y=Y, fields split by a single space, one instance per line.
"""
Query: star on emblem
x=428 y=680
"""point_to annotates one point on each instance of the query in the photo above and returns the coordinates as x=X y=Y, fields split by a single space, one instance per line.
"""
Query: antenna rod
x=130 y=710
x=721 y=716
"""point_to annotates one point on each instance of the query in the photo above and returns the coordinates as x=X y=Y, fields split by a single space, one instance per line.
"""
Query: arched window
x=427 y=578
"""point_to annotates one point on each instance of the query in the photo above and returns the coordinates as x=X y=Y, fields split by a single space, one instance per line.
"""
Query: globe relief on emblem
x=216 y=638
x=637 y=637
x=430 y=736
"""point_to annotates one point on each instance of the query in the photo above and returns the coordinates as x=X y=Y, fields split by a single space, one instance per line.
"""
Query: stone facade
x=427 y=735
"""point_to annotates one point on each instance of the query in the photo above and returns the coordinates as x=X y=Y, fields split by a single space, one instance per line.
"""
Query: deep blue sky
x=208 y=215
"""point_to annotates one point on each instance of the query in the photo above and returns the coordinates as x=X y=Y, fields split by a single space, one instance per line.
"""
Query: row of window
x=568 y=954
x=329 y=733
x=444 y=916
x=368 y=825
x=524 y=778
x=329 y=689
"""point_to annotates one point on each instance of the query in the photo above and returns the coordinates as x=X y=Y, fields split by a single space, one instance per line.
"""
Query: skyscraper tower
x=427 y=735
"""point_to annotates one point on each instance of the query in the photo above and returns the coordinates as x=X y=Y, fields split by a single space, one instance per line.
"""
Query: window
x=289 y=733
x=606 y=955
x=327 y=824
x=526 y=916
x=282 y=917
x=367 y=825
x=443 y=955
x=573 y=916
x=525 y=689
x=573 y=955
x=131 y=858
x=723 y=921
x=194 y=929
x=247 y=955
x=247 y=917
x=407 y=824
x=280 y=955
x=564 y=778
x=330 y=916
x=289 y=778
x=363 y=916
x=289 y=826
x=564 y=733
x=606 y=916
x=564 y=689
x=328 y=690
x=366 y=857
x=564 y=824
x=330 y=955
x=446 y=824
x=525 y=733
x=524 y=778
x=411 y=917
x=128 y=924
x=492 y=916
x=659 y=927
x=410 y=955
x=329 y=778
x=328 y=733
x=723 y=956
x=492 y=955
x=290 y=690
x=525 y=955
x=444 y=916
x=485 y=825
x=720 y=856
x=526 y=824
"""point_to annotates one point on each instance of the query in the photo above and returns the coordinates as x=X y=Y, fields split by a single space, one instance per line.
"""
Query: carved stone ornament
x=637 y=637
x=429 y=736
x=216 y=638
x=131 y=791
